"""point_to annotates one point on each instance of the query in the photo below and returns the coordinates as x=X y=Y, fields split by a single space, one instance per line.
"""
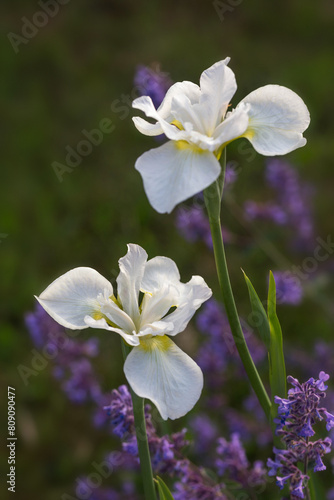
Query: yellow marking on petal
x=97 y=316
x=249 y=134
x=187 y=145
x=116 y=301
x=150 y=344
x=177 y=124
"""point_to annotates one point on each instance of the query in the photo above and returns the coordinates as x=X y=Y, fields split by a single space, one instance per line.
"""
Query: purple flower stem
x=307 y=491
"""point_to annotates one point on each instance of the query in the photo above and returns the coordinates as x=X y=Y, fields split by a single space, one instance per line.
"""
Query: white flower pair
x=196 y=120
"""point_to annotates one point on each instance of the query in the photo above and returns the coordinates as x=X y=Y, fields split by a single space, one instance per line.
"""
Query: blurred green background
x=68 y=77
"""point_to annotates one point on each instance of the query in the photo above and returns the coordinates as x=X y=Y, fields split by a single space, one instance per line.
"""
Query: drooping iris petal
x=73 y=295
x=146 y=105
x=101 y=323
x=277 y=120
x=192 y=296
x=189 y=89
x=174 y=172
x=160 y=371
x=132 y=267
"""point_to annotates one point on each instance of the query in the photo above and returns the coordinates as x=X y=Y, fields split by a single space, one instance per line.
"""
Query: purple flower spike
x=297 y=416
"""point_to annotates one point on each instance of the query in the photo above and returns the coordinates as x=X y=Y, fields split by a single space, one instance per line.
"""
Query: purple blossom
x=193 y=224
x=291 y=206
x=195 y=484
x=71 y=359
x=265 y=211
x=215 y=352
x=87 y=488
x=164 y=450
x=205 y=434
x=232 y=461
x=288 y=288
x=297 y=415
x=152 y=82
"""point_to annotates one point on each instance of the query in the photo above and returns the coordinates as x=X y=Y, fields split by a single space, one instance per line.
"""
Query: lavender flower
x=288 y=289
x=71 y=362
x=193 y=224
x=194 y=484
x=265 y=211
x=233 y=462
x=164 y=450
x=291 y=206
x=90 y=490
x=152 y=82
x=215 y=353
x=206 y=433
x=296 y=417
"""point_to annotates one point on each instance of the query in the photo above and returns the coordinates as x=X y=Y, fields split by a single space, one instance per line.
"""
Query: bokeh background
x=78 y=70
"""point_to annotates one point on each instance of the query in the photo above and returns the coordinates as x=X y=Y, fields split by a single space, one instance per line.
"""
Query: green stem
x=141 y=434
x=212 y=197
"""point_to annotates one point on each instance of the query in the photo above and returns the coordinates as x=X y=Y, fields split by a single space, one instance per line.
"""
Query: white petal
x=146 y=127
x=101 y=323
x=158 y=370
x=163 y=114
x=159 y=271
x=218 y=86
x=174 y=172
x=192 y=296
x=234 y=126
x=184 y=113
x=73 y=295
x=154 y=306
x=188 y=89
x=156 y=328
x=116 y=315
x=145 y=104
x=278 y=118
x=132 y=267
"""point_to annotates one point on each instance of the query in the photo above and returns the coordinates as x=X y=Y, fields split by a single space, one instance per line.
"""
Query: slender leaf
x=164 y=493
x=277 y=371
x=260 y=319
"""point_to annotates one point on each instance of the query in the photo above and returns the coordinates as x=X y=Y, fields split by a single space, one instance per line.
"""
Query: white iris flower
x=196 y=120
x=151 y=303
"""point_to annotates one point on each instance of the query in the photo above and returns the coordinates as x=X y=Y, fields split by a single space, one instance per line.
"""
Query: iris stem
x=212 y=197
x=141 y=434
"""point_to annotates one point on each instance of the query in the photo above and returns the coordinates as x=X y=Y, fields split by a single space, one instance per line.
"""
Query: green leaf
x=164 y=493
x=277 y=373
x=260 y=319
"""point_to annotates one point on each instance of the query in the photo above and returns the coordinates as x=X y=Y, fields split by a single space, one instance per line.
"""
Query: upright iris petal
x=196 y=122
x=156 y=368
